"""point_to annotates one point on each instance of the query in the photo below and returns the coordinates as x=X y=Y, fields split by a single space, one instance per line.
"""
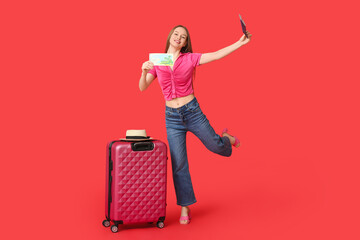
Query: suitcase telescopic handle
x=142 y=146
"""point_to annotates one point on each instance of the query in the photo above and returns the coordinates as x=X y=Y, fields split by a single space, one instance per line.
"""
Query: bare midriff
x=179 y=102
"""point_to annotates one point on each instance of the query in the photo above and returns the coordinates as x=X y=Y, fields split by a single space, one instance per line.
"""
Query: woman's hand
x=147 y=66
x=244 y=40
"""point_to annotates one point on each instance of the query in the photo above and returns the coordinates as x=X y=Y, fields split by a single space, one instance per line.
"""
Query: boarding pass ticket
x=162 y=59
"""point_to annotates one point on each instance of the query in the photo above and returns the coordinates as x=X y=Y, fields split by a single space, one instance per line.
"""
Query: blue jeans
x=178 y=122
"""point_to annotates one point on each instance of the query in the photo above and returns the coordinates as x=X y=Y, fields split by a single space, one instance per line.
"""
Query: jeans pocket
x=194 y=107
x=168 y=113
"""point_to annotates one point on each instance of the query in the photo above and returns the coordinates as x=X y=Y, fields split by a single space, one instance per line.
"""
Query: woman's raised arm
x=209 y=57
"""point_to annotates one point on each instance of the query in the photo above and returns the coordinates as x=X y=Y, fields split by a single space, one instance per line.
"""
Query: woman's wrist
x=239 y=42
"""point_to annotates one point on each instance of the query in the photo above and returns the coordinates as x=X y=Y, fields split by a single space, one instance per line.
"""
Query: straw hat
x=136 y=135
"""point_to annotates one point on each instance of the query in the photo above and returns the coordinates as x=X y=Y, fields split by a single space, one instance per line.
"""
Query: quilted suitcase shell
x=136 y=182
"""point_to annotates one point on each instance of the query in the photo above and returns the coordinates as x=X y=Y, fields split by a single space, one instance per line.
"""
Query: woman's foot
x=185 y=215
x=233 y=140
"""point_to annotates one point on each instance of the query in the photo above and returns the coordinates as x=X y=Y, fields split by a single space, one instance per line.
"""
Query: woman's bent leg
x=201 y=127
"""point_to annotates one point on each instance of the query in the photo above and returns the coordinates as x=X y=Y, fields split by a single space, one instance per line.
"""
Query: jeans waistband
x=182 y=108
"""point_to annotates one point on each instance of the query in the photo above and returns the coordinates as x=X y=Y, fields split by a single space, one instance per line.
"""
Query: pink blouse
x=177 y=82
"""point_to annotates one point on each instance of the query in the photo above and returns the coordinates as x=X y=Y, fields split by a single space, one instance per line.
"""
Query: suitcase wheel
x=160 y=224
x=106 y=223
x=114 y=228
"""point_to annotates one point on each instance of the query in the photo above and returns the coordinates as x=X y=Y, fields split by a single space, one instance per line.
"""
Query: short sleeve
x=195 y=58
x=153 y=71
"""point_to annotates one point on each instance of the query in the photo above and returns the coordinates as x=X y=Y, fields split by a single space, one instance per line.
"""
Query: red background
x=69 y=84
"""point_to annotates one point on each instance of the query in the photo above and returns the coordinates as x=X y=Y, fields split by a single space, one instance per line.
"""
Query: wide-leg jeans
x=179 y=121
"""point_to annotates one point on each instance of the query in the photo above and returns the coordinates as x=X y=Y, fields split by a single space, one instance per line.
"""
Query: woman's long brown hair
x=186 y=48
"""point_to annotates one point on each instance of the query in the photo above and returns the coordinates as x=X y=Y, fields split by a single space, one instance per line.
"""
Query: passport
x=243 y=26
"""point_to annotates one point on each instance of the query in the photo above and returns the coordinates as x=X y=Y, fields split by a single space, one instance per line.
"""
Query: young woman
x=182 y=109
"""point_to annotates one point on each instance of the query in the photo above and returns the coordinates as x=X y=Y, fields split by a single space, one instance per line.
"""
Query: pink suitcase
x=135 y=183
